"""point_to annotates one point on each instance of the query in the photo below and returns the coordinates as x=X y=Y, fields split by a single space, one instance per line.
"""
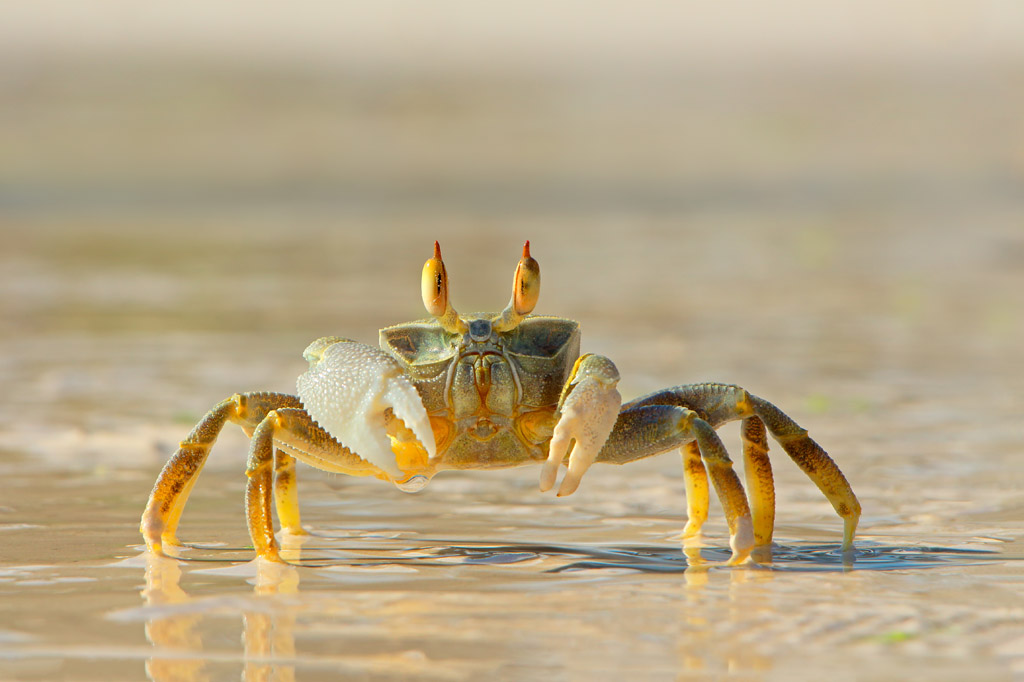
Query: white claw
x=347 y=392
x=588 y=416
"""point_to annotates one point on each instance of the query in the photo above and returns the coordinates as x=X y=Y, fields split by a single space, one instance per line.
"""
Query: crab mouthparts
x=484 y=430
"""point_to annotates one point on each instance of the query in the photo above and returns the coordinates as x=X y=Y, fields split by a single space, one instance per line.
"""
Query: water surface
x=848 y=247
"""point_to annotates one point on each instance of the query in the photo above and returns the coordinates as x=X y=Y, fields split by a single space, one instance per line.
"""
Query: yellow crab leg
x=760 y=484
x=727 y=485
x=650 y=429
x=286 y=497
x=695 y=476
x=170 y=493
x=258 y=492
x=296 y=436
x=646 y=426
x=815 y=462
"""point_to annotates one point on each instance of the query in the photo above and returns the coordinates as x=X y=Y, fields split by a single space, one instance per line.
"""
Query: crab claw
x=588 y=409
x=348 y=390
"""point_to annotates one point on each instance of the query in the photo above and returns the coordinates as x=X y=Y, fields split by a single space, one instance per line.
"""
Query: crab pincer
x=352 y=390
x=587 y=412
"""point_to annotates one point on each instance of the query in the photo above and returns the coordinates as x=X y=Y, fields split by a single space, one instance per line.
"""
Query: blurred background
x=823 y=202
x=717 y=192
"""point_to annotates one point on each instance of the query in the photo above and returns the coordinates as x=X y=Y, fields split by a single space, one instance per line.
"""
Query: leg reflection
x=269 y=625
x=171 y=632
x=721 y=611
x=270 y=634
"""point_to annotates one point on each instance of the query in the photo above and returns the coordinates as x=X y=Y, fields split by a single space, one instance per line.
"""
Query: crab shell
x=478 y=399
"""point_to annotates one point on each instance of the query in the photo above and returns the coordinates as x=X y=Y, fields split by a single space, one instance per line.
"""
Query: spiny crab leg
x=349 y=389
x=587 y=412
x=727 y=485
x=698 y=498
x=662 y=420
x=760 y=481
x=159 y=522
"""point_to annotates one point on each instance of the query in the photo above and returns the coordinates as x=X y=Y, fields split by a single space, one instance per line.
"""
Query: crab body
x=488 y=391
x=490 y=396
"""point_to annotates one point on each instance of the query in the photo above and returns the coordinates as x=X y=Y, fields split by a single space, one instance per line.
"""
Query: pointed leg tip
x=742 y=541
x=740 y=556
x=569 y=485
x=762 y=554
x=849 y=529
x=158 y=546
x=548 y=475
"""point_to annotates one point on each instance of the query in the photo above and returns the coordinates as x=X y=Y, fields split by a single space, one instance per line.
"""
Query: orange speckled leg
x=260 y=470
x=170 y=493
x=695 y=477
x=286 y=496
x=646 y=430
x=815 y=462
x=760 y=483
x=295 y=435
x=650 y=425
x=727 y=485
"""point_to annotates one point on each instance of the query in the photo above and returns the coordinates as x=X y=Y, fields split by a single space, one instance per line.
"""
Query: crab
x=490 y=391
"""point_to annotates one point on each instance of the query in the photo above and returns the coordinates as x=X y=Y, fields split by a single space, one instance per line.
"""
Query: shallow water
x=497 y=587
x=847 y=247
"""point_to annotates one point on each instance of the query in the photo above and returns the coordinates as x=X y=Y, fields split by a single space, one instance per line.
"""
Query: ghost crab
x=488 y=391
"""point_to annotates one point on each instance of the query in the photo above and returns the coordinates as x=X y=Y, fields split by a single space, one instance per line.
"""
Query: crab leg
x=259 y=470
x=727 y=485
x=286 y=497
x=758 y=471
x=815 y=462
x=270 y=471
x=651 y=429
x=170 y=493
x=638 y=435
x=695 y=477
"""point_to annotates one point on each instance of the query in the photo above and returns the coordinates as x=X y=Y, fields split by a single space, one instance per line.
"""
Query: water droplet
x=414 y=484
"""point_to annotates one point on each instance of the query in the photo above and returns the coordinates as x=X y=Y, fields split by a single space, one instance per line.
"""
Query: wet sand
x=846 y=241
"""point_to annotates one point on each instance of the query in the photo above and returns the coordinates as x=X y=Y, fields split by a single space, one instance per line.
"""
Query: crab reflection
x=580 y=584
x=174 y=631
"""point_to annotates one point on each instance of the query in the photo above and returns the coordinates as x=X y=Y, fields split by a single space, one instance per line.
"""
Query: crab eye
x=434 y=287
x=434 y=284
x=526 y=287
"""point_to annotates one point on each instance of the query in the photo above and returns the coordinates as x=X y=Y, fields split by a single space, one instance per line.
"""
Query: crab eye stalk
x=526 y=285
x=434 y=284
x=525 y=292
x=434 y=287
